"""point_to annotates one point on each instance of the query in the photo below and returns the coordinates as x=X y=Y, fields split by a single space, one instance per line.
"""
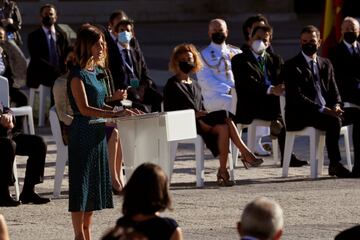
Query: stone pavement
x=314 y=209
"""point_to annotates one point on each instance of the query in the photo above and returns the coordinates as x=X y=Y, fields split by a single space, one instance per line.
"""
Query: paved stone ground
x=314 y=209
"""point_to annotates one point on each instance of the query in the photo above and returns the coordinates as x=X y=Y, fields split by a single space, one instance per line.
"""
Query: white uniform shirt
x=216 y=77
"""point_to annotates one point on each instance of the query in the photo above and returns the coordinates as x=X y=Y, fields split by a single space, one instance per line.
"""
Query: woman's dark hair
x=147 y=191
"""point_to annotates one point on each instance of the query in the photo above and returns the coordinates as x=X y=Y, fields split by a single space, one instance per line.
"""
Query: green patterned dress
x=89 y=177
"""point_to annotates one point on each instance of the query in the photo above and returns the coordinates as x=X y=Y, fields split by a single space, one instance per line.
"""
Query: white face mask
x=258 y=46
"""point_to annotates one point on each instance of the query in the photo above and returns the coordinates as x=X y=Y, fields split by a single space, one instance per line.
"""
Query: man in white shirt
x=216 y=78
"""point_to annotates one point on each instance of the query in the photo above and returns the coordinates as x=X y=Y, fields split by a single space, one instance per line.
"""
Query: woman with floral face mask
x=216 y=128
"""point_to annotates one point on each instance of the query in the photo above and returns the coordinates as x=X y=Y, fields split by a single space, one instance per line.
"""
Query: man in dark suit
x=346 y=60
x=129 y=70
x=312 y=99
x=12 y=143
x=258 y=85
x=47 y=46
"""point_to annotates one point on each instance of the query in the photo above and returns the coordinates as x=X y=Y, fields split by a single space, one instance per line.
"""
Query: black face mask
x=350 y=37
x=218 y=37
x=309 y=48
x=48 y=21
x=186 y=67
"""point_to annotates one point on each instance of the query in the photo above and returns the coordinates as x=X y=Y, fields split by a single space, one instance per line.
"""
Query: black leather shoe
x=33 y=197
x=339 y=170
x=8 y=202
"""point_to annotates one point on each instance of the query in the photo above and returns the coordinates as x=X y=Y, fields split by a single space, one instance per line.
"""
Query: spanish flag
x=331 y=26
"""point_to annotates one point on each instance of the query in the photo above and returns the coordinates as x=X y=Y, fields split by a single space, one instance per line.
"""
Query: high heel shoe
x=223 y=179
x=254 y=162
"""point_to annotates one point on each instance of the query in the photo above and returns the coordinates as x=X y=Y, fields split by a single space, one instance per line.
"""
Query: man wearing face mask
x=47 y=46
x=215 y=78
x=129 y=70
x=258 y=85
x=346 y=60
x=312 y=99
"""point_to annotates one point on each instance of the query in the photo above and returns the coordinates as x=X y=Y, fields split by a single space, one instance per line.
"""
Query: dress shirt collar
x=219 y=47
x=309 y=59
x=121 y=47
x=257 y=55
x=52 y=29
x=349 y=46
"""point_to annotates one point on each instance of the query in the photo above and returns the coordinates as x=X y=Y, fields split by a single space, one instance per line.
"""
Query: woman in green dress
x=89 y=178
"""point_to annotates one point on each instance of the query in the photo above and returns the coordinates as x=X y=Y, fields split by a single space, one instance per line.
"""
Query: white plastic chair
x=199 y=155
x=251 y=137
x=44 y=93
x=26 y=111
x=61 y=152
x=199 y=158
x=317 y=143
x=16 y=184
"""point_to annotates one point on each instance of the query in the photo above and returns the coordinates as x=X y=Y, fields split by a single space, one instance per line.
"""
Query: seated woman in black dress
x=216 y=128
x=145 y=196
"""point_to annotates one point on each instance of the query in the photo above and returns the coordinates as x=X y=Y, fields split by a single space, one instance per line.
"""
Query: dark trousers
x=332 y=125
x=24 y=145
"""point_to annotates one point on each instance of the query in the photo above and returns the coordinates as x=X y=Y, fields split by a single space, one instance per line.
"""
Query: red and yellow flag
x=331 y=26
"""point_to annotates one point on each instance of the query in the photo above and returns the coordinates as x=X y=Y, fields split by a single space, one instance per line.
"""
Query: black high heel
x=255 y=162
x=223 y=179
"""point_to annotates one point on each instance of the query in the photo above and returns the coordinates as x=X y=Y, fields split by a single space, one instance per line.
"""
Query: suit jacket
x=40 y=70
x=118 y=68
x=347 y=72
x=301 y=93
x=253 y=101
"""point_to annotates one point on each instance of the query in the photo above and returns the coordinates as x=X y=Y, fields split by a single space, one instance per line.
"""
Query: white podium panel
x=146 y=138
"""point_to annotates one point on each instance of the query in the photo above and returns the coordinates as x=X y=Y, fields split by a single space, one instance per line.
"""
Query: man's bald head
x=262 y=219
x=218 y=30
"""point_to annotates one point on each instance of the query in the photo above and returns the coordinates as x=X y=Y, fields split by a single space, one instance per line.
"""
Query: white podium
x=146 y=138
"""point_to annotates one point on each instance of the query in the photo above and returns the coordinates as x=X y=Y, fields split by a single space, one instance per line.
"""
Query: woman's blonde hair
x=180 y=49
x=87 y=36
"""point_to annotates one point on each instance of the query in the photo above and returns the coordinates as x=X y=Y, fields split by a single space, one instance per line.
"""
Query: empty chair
x=44 y=93
x=61 y=152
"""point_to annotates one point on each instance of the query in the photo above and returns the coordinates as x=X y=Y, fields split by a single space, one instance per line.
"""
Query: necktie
x=261 y=62
x=53 y=55
x=128 y=63
x=319 y=98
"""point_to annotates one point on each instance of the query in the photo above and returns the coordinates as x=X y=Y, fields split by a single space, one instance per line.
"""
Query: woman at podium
x=216 y=128
x=89 y=179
